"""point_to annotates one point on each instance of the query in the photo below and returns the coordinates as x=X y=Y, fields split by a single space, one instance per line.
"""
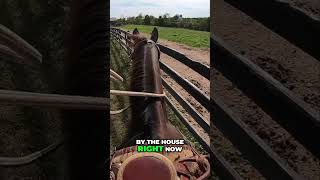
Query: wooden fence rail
x=53 y=100
x=187 y=106
x=298 y=118
x=200 y=68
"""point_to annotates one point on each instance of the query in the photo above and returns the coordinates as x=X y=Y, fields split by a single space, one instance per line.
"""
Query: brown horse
x=148 y=114
x=149 y=117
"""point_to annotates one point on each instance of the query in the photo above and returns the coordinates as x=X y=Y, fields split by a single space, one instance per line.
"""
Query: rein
x=115 y=76
x=136 y=94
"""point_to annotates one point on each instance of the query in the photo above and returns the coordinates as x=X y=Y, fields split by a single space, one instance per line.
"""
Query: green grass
x=198 y=39
x=120 y=63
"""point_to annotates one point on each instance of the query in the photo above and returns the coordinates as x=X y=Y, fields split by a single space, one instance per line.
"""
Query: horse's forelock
x=137 y=38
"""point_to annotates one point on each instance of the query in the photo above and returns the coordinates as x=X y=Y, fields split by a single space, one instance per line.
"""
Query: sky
x=188 y=8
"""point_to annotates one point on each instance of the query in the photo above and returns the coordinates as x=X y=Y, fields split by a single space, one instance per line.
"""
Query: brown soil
x=280 y=141
x=195 y=78
x=291 y=66
x=201 y=55
x=295 y=69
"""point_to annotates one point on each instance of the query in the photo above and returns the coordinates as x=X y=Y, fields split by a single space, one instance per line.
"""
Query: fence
x=282 y=105
x=18 y=50
x=221 y=166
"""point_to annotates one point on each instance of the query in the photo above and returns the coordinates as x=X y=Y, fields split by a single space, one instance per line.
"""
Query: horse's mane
x=148 y=114
x=138 y=83
x=137 y=71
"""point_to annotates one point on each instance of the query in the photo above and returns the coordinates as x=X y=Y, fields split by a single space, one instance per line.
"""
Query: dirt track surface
x=201 y=55
x=280 y=141
x=295 y=69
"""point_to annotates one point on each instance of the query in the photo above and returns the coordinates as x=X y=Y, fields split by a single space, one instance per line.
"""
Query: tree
x=131 y=20
x=160 y=21
x=152 y=20
x=147 y=20
x=139 y=19
x=201 y=24
x=166 y=20
x=176 y=17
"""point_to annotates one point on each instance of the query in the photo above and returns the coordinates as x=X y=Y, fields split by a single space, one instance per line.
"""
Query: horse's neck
x=161 y=127
x=146 y=77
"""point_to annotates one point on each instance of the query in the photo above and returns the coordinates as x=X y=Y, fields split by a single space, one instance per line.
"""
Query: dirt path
x=280 y=141
x=200 y=55
x=295 y=69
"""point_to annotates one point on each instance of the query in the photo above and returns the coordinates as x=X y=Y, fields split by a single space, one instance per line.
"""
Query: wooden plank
x=128 y=50
x=123 y=31
x=250 y=145
x=188 y=107
x=280 y=103
x=194 y=91
x=200 y=68
x=53 y=100
x=121 y=39
x=290 y=22
x=192 y=129
x=220 y=165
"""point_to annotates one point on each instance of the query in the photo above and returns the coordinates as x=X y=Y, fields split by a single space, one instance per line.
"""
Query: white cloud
x=188 y=8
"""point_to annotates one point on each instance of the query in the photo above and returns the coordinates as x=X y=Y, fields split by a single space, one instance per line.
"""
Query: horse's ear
x=154 y=35
x=135 y=31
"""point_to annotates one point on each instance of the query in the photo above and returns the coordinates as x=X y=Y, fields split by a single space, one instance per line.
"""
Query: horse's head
x=137 y=38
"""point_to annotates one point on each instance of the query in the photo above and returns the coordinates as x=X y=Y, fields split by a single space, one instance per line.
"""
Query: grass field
x=198 y=39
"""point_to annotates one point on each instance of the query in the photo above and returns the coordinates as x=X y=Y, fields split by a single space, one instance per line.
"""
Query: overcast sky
x=188 y=8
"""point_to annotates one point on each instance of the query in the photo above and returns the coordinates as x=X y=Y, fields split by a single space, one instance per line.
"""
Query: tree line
x=177 y=21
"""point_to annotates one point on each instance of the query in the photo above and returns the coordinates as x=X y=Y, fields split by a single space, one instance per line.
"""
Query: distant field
x=198 y=39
